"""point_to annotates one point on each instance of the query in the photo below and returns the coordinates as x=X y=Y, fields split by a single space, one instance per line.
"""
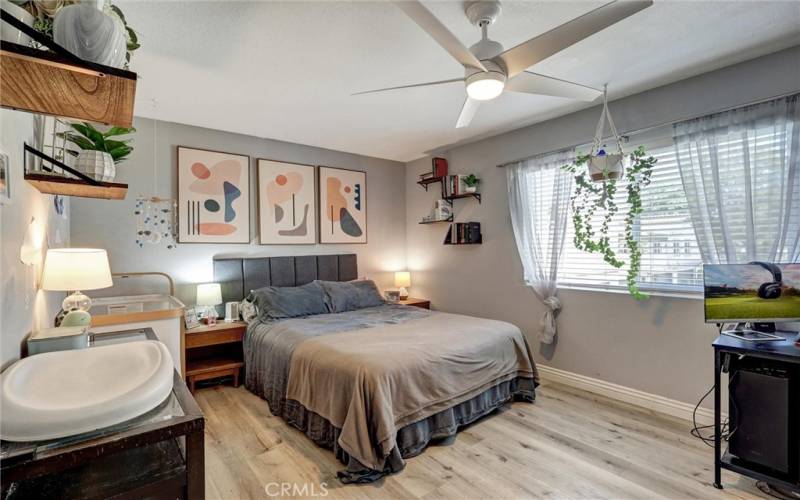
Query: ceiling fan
x=488 y=69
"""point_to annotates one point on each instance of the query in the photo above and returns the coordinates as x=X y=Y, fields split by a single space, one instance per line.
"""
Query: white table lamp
x=72 y=270
x=209 y=295
x=402 y=279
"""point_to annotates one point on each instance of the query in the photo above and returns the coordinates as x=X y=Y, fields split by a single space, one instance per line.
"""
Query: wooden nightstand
x=214 y=351
x=412 y=301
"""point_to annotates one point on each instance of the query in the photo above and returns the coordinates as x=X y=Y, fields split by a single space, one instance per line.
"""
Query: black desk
x=784 y=351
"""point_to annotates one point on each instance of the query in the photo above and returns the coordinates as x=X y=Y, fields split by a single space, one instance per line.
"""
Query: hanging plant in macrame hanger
x=596 y=175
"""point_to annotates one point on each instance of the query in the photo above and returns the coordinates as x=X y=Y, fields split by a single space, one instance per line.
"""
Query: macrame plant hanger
x=604 y=165
x=155 y=217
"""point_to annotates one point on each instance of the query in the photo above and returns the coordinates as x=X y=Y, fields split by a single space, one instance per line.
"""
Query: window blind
x=671 y=260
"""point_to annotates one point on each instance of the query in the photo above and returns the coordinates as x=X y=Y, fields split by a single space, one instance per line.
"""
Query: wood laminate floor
x=568 y=444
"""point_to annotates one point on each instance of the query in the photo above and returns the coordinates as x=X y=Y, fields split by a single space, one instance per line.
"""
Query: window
x=671 y=259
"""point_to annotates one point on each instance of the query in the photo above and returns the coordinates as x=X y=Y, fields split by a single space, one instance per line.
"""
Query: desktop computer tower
x=763 y=411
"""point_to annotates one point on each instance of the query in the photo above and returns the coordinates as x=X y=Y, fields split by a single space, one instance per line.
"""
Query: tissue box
x=58 y=339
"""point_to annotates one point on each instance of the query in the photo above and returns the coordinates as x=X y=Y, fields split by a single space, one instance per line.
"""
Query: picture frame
x=213 y=196
x=342 y=205
x=5 y=178
x=287 y=203
x=191 y=318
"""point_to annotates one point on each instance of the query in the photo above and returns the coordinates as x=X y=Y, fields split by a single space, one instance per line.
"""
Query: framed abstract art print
x=342 y=206
x=213 y=197
x=287 y=203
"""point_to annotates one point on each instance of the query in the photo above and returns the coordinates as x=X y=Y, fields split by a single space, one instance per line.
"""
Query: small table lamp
x=71 y=270
x=402 y=279
x=209 y=295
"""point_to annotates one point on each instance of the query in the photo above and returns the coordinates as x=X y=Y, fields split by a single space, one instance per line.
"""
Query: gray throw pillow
x=290 y=301
x=351 y=295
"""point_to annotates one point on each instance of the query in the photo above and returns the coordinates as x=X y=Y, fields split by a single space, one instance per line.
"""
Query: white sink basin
x=58 y=394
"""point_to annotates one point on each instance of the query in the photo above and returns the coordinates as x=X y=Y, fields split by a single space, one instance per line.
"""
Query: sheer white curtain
x=540 y=225
x=741 y=173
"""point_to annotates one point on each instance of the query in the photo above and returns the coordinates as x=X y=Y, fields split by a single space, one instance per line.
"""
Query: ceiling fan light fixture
x=485 y=86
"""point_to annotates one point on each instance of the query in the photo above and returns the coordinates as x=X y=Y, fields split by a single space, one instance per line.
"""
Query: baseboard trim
x=617 y=392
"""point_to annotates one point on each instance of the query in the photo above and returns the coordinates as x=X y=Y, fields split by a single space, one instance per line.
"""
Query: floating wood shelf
x=58 y=184
x=58 y=83
x=49 y=181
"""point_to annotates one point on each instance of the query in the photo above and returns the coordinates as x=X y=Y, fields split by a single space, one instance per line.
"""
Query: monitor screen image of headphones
x=754 y=292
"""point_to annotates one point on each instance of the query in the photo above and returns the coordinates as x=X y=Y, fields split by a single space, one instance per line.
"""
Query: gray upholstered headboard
x=237 y=276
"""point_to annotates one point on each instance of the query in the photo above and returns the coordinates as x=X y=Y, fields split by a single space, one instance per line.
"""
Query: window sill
x=624 y=291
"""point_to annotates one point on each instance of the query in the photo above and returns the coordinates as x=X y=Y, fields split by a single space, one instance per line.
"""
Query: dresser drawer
x=214 y=337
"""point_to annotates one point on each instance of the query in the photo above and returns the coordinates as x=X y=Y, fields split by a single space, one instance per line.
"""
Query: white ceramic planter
x=90 y=34
x=603 y=167
x=10 y=34
x=472 y=189
x=97 y=165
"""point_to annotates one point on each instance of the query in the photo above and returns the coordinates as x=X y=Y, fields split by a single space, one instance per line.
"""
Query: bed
x=374 y=384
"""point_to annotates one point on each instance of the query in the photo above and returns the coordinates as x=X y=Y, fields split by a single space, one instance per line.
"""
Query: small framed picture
x=5 y=182
x=392 y=295
x=190 y=316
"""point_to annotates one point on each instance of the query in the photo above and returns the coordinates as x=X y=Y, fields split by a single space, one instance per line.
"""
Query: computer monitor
x=756 y=293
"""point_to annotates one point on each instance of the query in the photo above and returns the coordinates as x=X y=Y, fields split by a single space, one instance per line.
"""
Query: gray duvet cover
x=269 y=348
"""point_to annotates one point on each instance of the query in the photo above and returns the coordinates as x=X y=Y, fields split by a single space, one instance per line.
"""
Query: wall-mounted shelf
x=449 y=219
x=57 y=184
x=464 y=233
x=450 y=199
x=430 y=180
x=56 y=82
x=49 y=181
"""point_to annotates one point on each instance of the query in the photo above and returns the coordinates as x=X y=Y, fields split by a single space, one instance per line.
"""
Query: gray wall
x=23 y=306
x=661 y=345
x=151 y=171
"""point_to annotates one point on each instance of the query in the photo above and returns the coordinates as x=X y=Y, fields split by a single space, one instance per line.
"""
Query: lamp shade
x=72 y=269
x=209 y=294
x=402 y=279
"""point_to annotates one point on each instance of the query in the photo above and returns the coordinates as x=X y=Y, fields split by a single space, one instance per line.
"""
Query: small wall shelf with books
x=464 y=233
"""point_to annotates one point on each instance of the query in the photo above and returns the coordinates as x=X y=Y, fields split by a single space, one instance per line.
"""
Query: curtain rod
x=651 y=127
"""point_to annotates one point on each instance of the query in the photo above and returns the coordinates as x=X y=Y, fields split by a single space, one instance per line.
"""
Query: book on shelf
x=439 y=167
x=454 y=185
x=461 y=233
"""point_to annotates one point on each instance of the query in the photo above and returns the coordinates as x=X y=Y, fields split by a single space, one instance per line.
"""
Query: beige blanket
x=371 y=382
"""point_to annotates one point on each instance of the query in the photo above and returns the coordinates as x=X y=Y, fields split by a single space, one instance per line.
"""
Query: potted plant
x=471 y=182
x=99 y=153
x=591 y=198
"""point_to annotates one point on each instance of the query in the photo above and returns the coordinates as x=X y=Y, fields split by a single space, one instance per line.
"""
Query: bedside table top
x=413 y=301
x=221 y=325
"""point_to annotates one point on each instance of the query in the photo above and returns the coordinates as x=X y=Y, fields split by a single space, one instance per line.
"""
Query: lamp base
x=76 y=318
x=403 y=293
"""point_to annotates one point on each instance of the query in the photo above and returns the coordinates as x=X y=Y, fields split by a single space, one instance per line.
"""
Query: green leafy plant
x=592 y=198
x=471 y=180
x=89 y=138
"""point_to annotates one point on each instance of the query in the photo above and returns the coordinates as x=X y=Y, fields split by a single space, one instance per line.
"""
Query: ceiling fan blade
x=439 y=32
x=467 y=112
x=523 y=56
x=533 y=83
x=440 y=82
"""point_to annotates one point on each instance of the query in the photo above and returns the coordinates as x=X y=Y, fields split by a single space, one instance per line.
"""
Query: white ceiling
x=285 y=70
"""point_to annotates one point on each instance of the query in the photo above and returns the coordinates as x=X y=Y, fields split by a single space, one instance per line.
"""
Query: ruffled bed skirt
x=411 y=439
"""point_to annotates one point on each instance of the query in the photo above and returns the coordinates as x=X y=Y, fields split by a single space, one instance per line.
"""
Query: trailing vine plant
x=590 y=197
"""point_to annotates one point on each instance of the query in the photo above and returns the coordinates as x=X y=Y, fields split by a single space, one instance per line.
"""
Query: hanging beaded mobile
x=155 y=222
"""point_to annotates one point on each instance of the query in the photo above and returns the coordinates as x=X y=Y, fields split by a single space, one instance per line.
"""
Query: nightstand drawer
x=214 y=337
